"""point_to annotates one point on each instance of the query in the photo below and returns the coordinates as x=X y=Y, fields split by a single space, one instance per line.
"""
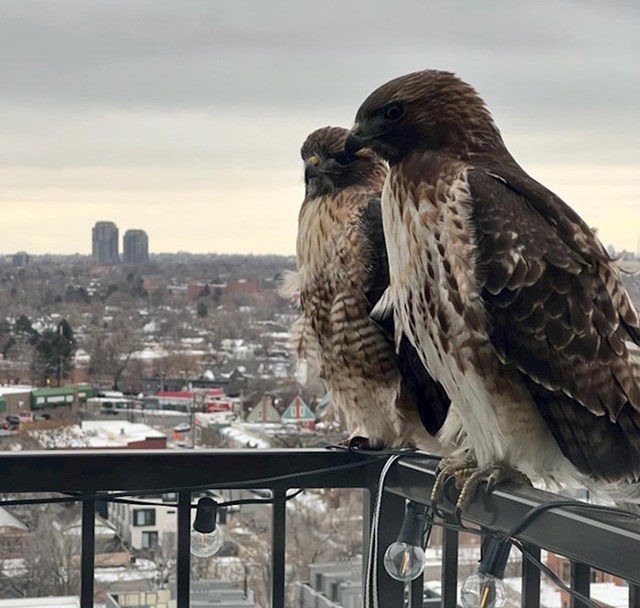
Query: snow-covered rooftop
x=9 y=521
x=41 y=602
x=243 y=438
x=120 y=432
x=96 y=434
x=15 y=388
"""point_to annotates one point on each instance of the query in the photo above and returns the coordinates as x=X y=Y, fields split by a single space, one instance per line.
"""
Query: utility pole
x=196 y=401
x=60 y=337
x=192 y=421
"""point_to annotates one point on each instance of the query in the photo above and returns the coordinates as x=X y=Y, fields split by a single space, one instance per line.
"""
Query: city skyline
x=105 y=244
x=191 y=126
x=7 y=254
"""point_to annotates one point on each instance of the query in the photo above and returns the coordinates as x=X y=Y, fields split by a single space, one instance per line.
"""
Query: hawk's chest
x=432 y=263
x=331 y=264
x=319 y=231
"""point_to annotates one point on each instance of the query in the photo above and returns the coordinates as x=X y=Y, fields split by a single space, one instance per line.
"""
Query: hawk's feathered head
x=429 y=110
x=328 y=169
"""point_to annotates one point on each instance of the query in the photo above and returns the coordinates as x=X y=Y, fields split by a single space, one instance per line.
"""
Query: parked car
x=109 y=408
x=11 y=423
x=183 y=427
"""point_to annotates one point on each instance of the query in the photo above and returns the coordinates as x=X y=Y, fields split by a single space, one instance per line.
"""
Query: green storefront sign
x=51 y=397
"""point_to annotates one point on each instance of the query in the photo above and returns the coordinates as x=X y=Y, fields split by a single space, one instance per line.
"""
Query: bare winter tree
x=50 y=560
x=315 y=532
x=111 y=348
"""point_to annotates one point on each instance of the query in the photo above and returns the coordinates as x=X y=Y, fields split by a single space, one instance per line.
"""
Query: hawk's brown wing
x=557 y=311
x=429 y=396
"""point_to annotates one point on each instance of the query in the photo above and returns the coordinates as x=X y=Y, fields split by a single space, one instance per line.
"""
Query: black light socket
x=495 y=557
x=206 y=513
x=413 y=526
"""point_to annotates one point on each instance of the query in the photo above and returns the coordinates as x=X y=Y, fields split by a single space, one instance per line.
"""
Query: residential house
x=12 y=534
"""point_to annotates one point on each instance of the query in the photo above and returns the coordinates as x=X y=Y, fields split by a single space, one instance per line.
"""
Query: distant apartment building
x=104 y=243
x=204 y=592
x=20 y=259
x=135 y=247
x=145 y=527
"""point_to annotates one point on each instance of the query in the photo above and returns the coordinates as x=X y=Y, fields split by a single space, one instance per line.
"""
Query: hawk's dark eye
x=342 y=159
x=394 y=112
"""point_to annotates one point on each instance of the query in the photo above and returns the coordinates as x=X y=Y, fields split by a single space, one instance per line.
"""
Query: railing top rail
x=604 y=541
x=145 y=470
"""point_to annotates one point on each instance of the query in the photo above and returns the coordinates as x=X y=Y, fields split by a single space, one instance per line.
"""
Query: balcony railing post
x=581 y=582
x=278 y=548
x=390 y=591
x=183 y=574
x=87 y=564
x=530 y=579
x=416 y=592
x=449 y=575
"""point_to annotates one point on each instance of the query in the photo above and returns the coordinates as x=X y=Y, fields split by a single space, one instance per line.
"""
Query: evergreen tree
x=53 y=350
x=202 y=311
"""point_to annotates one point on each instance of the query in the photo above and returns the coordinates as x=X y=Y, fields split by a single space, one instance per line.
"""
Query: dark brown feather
x=563 y=331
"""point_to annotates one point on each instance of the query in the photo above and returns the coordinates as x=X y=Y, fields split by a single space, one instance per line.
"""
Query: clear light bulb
x=403 y=561
x=205 y=544
x=481 y=590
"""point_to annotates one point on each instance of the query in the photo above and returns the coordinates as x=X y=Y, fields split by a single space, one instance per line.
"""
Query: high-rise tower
x=136 y=247
x=104 y=243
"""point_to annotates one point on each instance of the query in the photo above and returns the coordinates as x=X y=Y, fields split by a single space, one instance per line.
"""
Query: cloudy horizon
x=186 y=119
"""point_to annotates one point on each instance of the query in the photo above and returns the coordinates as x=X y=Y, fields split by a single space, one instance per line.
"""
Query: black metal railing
x=589 y=540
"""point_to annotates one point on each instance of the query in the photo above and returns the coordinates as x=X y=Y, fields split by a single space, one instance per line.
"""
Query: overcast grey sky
x=185 y=117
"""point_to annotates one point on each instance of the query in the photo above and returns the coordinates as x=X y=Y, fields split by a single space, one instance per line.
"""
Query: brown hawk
x=509 y=298
x=341 y=273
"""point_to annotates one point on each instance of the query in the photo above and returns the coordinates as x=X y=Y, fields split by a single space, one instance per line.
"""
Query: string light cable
x=206 y=537
x=498 y=545
x=72 y=497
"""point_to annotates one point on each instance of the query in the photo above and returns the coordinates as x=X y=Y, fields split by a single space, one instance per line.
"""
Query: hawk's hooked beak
x=353 y=143
x=311 y=168
x=311 y=171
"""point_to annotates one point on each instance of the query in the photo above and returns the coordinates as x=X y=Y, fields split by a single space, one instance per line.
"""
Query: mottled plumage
x=507 y=295
x=342 y=273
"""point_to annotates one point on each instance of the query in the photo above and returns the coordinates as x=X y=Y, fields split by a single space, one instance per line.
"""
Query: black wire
x=544 y=569
x=552 y=575
x=39 y=501
x=228 y=503
x=251 y=501
x=404 y=452
x=530 y=517
x=256 y=483
x=528 y=555
x=109 y=497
